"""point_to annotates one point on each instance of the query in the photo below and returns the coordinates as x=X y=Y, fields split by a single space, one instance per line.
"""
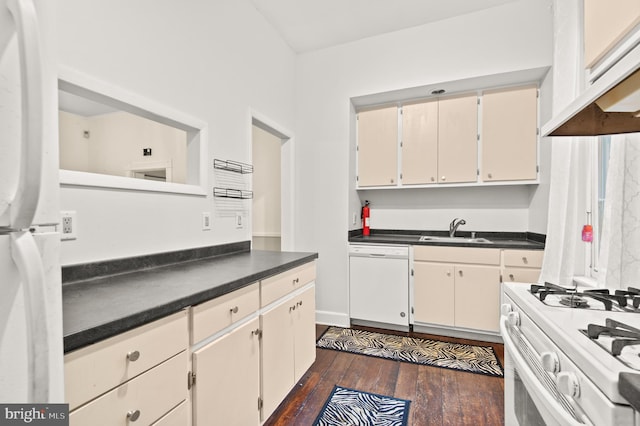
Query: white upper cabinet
x=509 y=134
x=439 y=141
x=420 y=143
x=378 y=147
x=458 y=139
x=606 y=23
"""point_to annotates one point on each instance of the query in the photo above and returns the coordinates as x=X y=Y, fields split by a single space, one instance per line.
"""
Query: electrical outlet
x=69 y=225
x=239 y=221
x=206 y=221
x=354 y=219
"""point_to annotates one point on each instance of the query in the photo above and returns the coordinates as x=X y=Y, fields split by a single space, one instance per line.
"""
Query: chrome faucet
x=453 y=226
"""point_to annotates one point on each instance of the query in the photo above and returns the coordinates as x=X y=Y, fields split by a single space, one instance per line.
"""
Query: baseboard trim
x=457 y=333
x=332 y=318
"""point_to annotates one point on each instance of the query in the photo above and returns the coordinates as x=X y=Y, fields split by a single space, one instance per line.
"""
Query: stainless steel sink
x=426 y=238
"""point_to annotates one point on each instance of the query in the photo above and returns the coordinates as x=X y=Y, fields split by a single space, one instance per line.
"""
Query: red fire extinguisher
x=366 y=212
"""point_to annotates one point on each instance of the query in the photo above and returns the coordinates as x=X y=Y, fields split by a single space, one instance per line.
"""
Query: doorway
x=267 y=188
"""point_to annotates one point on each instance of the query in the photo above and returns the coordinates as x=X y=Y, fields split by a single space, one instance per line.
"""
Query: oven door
x=531 y=396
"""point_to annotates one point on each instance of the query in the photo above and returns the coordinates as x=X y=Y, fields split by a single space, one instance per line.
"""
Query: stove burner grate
x=621 y=300
x=622 y=335
x=574 y=301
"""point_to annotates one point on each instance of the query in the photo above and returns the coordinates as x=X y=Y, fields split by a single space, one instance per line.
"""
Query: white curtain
x=619 y=261
x=564 y=249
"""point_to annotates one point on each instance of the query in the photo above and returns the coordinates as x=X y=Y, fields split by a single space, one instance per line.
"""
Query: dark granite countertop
x=629 y=387
x=98 y=308
x=510 y=240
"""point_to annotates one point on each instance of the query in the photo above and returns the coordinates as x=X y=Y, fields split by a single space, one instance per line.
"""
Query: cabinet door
x=509 y=134
x=420 y=143
x=605 y=24
x=477 y=297
x=433 y=285
x=458 y=139
x=378 y=147
x=228 y=379
x=277 y=355
x=304 y=324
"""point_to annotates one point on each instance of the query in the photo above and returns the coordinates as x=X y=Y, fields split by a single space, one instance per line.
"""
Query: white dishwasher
x=379 y=284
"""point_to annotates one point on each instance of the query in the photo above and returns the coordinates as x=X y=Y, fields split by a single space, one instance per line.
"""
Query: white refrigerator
x=31 y=342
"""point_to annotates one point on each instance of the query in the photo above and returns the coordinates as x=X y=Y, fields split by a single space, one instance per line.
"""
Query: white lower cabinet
x=248 y=349
x=137 y=376
x=288 y=346
x=522 y=265
x=227 y=371
x=457 y=287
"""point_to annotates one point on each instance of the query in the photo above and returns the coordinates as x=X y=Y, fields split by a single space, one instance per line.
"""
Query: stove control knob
x=550 y=362
x=505 y=309
x=568 y=384
x=514 y=318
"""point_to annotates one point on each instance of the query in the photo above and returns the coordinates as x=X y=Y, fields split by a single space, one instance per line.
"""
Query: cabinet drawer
x=521 y=275
x=179 y=416
x=523 y=258
x=91 y=371
x=212 y=316
x=482 y=256
x=282 y=284
x=152 y=394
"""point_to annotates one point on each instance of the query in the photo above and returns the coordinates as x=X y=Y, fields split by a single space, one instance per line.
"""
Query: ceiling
x=315 y=24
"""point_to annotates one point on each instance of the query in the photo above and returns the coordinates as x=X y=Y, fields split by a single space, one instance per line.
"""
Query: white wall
x=516 y=36
x=204 y=58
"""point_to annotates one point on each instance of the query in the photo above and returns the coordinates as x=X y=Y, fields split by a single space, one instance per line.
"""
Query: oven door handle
x=532 y=381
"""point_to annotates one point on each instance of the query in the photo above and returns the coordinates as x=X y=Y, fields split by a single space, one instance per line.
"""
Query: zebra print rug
x=349 y=407
x=456 y=356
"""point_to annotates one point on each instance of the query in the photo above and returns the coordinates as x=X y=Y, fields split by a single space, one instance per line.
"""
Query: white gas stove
x=564 y=350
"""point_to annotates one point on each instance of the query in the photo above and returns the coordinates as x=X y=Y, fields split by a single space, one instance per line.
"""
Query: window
x=117 y=139
x=601 y=167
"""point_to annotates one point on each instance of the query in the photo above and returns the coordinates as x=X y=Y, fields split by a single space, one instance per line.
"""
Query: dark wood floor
x=438 y=396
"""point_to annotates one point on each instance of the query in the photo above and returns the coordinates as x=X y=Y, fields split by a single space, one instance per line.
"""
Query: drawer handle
x=132 y=416
x=296 y=281
x=524 y=260
x=234 y=310
x=133 y=356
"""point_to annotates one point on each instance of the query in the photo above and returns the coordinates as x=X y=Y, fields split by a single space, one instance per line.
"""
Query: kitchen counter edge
x=99 y=308
x=499 y=240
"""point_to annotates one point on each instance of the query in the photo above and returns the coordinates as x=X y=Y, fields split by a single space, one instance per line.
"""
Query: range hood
x=611 y=105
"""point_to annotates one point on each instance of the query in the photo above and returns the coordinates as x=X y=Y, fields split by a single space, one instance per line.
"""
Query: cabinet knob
x=433 y=179
x=448 y=273
x=296 y=281
x=460 y=272
x=234 y=310
x=489 y=175
x=133 y=356
x=292 y=308
x=443 y=178
x=299 y=303
x=133 y=415
x=256 y=332
x=402 y=314
x=524 y=260
x=511 y=277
